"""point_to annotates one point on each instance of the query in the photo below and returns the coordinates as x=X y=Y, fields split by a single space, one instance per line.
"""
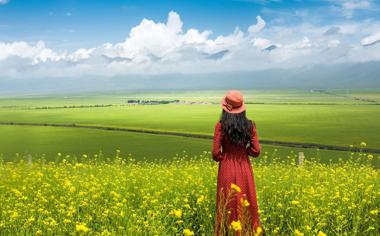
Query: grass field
x=81 y=181
x=49 y=141
x=295 y=116
x=299 y=123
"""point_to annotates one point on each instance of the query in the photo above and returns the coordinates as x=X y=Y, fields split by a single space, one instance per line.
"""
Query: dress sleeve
x=216 y=147
x=254 y=146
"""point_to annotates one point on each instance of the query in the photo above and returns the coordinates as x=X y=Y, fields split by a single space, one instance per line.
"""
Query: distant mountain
x=337 y=76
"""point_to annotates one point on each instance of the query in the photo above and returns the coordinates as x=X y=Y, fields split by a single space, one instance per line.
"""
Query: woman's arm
x=254 y=146
x=216 y=147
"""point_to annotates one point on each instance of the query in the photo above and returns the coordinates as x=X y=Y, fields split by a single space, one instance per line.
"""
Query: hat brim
x=234 y=109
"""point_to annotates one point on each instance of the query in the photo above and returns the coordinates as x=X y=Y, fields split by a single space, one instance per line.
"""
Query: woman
x=236 y=193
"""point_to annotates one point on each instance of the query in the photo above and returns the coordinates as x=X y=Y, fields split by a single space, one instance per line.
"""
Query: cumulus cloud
x=37 y=53
x=165 y=47
x=258 y=27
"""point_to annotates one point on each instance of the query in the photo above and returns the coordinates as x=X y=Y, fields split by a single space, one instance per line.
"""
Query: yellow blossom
x=258 y=232
x=244 y=202
x=235 y=187
x=236 y=225
x=298 y=233
x=188 y=232
x=177 y=213
x=374 y=212
x=200 y=199
x=81 y=228
x=320 y=233
x=295 y=202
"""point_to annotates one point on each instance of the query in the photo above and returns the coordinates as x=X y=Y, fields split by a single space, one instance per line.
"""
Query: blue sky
x=84 y=23
x=46 y=36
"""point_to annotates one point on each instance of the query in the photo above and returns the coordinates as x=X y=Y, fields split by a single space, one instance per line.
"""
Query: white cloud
x=261 y=43
x=37 y=53
x=370 y=40
x=258 y=27
x=2 y=2
x=165 y=47
x=333 y=43
x=356 y=5
x=348 y=7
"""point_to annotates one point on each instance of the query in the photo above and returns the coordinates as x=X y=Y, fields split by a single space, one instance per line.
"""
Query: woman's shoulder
x=252 y=123
x=218 y=127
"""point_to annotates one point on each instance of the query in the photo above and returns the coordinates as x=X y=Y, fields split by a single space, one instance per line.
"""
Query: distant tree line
x=74 y=106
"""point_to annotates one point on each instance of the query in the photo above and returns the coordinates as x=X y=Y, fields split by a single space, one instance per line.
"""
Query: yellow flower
x=39 y=174
x=200 y=199
x=258 y=231
x=235 y=187
x=72 y=189
x=14 y=214
x=105 y=233
x=295 y=202
x=177 y=213
x=66 y=221
x=81 y=228
x=363 y=144
x=39 y=232
x=370 y=157
x=320 y=233
x=236 y=225
x=188 y=232
x=244 y=202
x=31 y=219
x=374 y=212
x=79 y=165
x=115 y=194
x=297 y=233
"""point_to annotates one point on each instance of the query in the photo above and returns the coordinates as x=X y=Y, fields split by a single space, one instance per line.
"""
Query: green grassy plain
x=295 y=116
x=18 y=142
x=326 y=124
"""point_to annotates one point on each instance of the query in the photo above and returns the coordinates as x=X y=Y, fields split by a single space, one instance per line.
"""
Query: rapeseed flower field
x=123 y=196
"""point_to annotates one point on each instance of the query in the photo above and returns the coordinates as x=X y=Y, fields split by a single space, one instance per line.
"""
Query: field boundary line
x=199 y=136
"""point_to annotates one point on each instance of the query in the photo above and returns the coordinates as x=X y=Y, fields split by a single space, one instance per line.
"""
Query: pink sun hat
x=233 y=102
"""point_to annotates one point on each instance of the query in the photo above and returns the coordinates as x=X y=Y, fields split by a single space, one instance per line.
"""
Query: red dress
x=235 y=168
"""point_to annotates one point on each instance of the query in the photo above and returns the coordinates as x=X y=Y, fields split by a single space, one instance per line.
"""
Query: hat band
x=231 y=104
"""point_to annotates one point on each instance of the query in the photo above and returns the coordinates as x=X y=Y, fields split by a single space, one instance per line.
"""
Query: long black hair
x=237 y=127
